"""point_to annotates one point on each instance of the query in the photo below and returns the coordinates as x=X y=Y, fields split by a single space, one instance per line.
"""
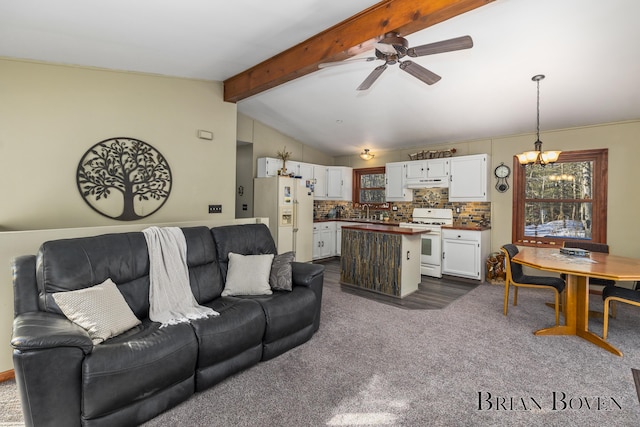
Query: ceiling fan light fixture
x=366 y=154
x=538 y=156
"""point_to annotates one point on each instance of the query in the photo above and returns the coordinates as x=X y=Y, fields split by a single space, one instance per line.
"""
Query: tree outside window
x=369 y=186
x=566 y=200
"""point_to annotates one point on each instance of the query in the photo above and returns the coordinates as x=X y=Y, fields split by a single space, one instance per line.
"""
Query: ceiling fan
x=392 y=48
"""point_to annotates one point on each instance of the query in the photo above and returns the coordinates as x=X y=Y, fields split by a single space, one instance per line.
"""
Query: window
x=566 y=200
x=369 y=186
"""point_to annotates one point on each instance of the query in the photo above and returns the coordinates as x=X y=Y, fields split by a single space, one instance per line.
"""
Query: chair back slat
x=516 y=269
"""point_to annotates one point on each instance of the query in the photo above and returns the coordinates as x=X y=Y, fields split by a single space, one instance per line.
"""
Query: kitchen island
x=381 y=258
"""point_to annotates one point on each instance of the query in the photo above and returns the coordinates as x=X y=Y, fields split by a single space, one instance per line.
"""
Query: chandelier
x=366 y=155
x=537 y=155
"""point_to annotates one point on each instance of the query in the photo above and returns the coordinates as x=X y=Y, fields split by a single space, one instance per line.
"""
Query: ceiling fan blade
x=346 y=61
x=418 y=71
x=458 y=43
x=366 y=84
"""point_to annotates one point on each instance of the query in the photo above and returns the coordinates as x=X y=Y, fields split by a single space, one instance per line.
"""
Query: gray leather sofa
x=65 y=380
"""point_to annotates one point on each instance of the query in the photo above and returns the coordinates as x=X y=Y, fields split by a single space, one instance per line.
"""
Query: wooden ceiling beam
x=344 y=40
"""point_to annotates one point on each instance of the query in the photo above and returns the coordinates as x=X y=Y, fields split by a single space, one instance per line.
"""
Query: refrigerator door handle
x=294 y=245
x=295 y=216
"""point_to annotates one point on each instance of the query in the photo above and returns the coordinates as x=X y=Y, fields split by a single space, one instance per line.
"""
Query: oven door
x=431 y=250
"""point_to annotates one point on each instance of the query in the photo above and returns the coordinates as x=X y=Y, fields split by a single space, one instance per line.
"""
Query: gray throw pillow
x=100 y=309
x=248 y=275
x=280 y=278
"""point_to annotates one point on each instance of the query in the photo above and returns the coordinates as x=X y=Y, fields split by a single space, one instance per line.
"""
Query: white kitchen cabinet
x=305 y=170
x=324 y=239
x=268 y=166
x=319 y=182
x=464 y=252
x=416 y=170
x=469 y=178
x=301 y=169
x=395 y=184
x=293 y=167
x=438 y=168
x=339 y=181
x=427 y=173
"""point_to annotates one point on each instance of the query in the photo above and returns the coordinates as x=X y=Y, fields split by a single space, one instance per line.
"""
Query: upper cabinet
x=438 y=168
x=268 y=166
x=319 y=182
x=329 y=182
x=339 y=183
x=427 y=173
x=395 y=186
x=303 y=170
x=469 y=177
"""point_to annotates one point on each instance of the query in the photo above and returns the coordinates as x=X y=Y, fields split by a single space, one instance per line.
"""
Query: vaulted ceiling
x=589 y=51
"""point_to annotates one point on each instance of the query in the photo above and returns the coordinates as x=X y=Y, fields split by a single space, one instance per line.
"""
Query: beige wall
x=268 y=141
x=50 y=115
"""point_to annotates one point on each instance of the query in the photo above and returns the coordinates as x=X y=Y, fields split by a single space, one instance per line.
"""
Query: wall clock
x=124 y=178
x=502 y=172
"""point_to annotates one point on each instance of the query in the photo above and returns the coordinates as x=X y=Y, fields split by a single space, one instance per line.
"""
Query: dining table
x=578 y=270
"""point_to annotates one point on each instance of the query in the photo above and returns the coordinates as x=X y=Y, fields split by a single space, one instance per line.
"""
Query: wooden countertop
x=391 y=229
x=358 y=220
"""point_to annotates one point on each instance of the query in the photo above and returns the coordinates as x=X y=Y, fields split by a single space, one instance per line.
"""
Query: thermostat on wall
x=205 y=134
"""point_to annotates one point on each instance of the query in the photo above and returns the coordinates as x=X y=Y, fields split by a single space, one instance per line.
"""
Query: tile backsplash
x=469 y=213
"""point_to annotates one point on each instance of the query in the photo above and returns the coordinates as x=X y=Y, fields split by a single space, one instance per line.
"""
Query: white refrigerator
x=288 y=203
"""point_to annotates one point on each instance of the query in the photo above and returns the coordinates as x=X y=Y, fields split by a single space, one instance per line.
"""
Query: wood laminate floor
x=432 y=293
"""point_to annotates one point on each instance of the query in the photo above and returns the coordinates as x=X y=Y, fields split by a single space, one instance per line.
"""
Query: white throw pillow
x=100 y=309
x=248 y=275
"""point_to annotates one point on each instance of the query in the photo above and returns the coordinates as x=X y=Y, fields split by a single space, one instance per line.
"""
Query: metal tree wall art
x=124 y=178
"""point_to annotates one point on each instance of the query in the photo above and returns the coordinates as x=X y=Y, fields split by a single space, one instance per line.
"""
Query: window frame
x=357 y=173
x=599 y=199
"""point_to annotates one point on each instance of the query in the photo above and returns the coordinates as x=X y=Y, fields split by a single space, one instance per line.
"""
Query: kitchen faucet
x=367 y=207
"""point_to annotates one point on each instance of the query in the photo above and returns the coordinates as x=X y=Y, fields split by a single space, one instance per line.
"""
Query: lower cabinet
x=324 y=240
x=464 y=252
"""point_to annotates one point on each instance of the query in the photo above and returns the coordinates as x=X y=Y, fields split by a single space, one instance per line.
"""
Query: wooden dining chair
x=611 y=294
x=517 y=278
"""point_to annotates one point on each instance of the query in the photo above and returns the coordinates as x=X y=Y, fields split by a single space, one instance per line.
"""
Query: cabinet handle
x=408 y=255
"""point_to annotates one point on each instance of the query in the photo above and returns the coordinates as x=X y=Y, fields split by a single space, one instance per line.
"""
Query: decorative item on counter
x=484 y=222
x=433 y=154
x=495 y=268
x=284 y=155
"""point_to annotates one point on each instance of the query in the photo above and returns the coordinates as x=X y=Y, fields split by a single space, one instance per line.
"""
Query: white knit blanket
x=170 y=298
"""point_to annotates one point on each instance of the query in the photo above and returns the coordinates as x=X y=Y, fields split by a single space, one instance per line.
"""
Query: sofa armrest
x=41 y=330
x=305 y=273
x=25 y=288
x=312 y=277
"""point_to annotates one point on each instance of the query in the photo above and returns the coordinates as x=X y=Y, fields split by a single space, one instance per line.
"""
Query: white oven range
x=431 y=252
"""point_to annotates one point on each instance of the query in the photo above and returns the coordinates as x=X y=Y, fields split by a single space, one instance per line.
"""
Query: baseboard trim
x=7 y=375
